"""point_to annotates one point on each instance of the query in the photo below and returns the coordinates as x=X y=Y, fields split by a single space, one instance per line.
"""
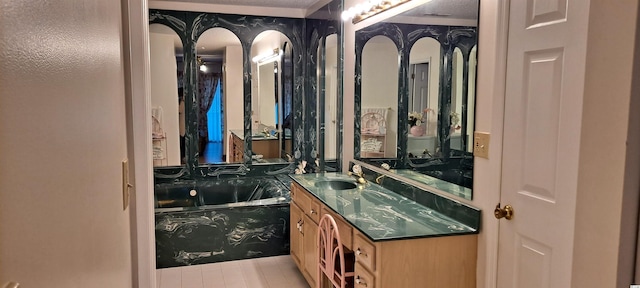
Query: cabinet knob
x=359 y=252
x=360 y=282
x=313 y=211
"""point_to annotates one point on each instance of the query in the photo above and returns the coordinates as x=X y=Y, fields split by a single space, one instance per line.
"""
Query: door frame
x=490 y=95
x=135 y=34
x=490 y=90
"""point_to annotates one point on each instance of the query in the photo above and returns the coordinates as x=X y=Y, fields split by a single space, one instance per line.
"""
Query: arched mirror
x=271 y=97
x=457 y=100
x=328 y=75
x=218 y=93
x=424 y=100
x=471 y=98
x=168 y=122
x=379 y=104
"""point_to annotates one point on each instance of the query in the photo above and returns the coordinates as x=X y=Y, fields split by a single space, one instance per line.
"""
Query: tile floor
x=268 y=272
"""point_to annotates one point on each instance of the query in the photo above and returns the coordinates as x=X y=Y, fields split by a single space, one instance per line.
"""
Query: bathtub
x=207 y=221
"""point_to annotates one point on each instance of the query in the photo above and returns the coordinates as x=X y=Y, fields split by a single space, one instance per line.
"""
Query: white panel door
x=543 y=104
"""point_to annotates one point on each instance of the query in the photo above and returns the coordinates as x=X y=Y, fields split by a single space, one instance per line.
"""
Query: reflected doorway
x=213 y=151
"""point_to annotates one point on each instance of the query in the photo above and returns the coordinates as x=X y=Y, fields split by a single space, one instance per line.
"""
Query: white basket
x=370 y=145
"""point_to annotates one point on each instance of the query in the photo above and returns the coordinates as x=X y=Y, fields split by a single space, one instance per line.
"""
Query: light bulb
x=203 y=68
x=345 y=15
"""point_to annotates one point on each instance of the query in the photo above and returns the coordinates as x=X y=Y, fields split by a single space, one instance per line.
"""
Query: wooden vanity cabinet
x=447 y=261
x=295 y=226
x=305 y=211
x=236 y=149
x=309 y=235
x=433 y=262
x=268 y=148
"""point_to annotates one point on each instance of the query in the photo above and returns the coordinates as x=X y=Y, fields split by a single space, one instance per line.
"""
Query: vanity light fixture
x=269 y=57
x=367 y=9
x=203 y=67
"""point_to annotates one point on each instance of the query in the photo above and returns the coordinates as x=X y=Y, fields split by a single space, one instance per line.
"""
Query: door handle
x=506 y=212
x=12 y=285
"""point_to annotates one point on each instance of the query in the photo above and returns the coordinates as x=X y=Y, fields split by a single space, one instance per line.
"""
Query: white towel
x=156 y=117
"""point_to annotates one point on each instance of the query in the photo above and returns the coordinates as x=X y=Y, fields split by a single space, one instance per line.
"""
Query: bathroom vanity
x=396 y=241
x=267 y=146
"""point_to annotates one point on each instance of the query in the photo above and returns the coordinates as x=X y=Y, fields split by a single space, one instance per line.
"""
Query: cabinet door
x=310 y=248
x=296 y=234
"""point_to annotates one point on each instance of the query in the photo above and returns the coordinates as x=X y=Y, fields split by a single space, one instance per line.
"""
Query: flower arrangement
x=415 y=119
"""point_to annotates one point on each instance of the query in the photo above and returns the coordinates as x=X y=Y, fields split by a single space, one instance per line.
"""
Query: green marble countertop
x=379 y=213
x=439 y=184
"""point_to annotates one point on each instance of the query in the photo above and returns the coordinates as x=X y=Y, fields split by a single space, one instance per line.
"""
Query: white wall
x=380 y=85
x=608 y=182
x=164 y=92
x=62 y=120
x=233 y=93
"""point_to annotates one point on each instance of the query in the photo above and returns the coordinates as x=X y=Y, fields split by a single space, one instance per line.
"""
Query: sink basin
x=336 y=185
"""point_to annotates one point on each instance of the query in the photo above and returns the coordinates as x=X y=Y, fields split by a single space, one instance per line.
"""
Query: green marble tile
x=379 y=213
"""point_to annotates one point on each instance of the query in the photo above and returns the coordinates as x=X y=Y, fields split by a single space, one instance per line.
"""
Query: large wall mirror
x=226 y=98
x=272 y=89
x=167 y=97
x=329 y=92
x=415 y=74
x=324 y=98
x=379 y=102
x=241 y=90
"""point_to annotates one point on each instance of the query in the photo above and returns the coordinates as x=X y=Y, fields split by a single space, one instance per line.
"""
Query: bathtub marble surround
x=208 y=236
x=220 y=220
x=381 y=214
x=198 y=195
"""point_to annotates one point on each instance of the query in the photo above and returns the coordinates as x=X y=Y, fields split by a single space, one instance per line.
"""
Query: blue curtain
x=214 y=116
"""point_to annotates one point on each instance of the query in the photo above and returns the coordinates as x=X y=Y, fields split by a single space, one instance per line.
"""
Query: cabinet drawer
x=308 y=204
x=295 y=190
x=363 y=278
x=346 y=232
x=365 y=252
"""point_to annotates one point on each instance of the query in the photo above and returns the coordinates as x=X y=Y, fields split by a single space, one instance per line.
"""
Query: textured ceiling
x=301 y=4
x=460 y=9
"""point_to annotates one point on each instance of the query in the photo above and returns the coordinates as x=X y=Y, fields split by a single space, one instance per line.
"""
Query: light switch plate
x=125 y=184
x=481 y=144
